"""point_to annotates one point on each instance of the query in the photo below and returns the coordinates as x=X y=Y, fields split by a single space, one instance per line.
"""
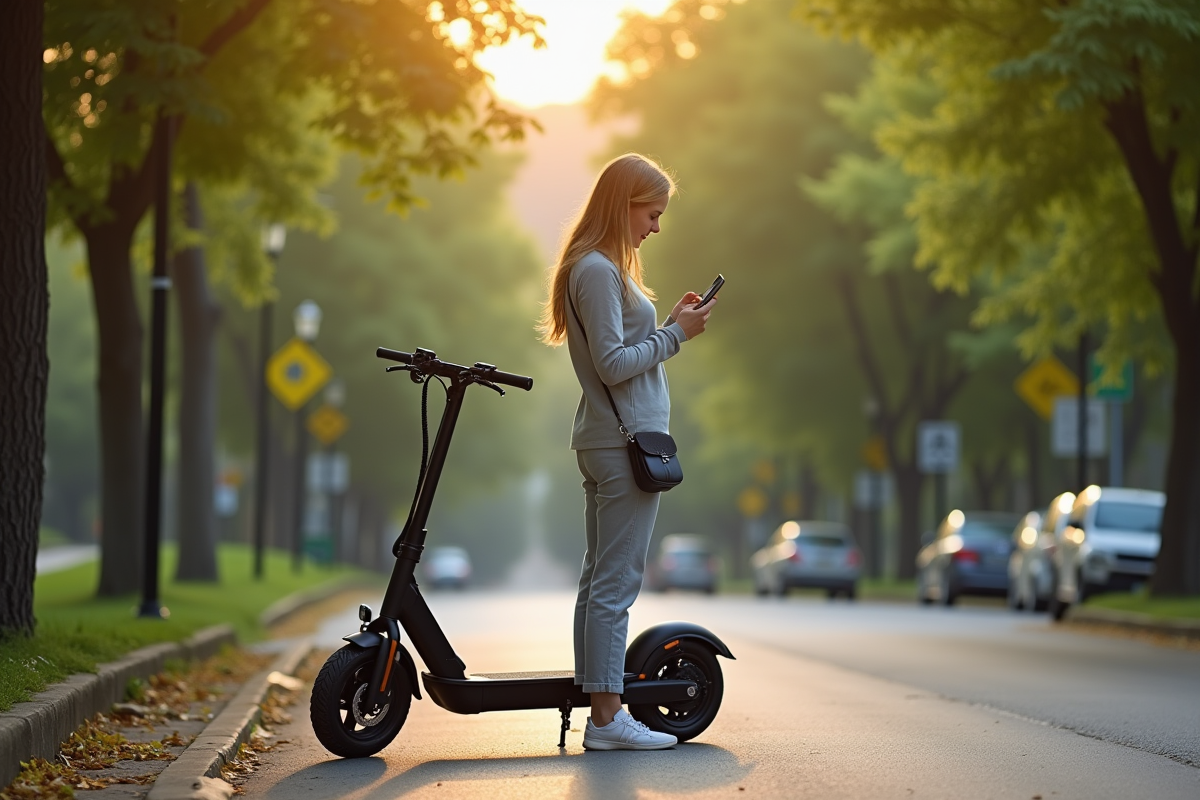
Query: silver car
x=810 y=554
x=685 y=561
x=1031 y=578
x=1109 y=544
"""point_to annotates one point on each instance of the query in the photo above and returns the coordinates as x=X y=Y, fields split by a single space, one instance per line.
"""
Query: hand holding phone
x=712 y=291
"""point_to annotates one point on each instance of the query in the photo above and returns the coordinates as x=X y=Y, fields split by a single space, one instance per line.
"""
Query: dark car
x=685 y=561
x=968 y=555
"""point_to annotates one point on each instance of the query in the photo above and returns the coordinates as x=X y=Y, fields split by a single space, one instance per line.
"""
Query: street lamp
x=306 y=320
x=273 y=238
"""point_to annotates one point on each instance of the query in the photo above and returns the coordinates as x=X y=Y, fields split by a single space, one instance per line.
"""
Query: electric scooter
x=362 y=695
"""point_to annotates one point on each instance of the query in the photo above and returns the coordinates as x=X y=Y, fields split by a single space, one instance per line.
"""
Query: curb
x=38 y=727
x=1185 y=628
x=195 y=775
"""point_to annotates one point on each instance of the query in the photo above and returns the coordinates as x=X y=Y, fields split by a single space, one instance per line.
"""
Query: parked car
x=685 y=561
x=1109 y=544
x=1031 y=575
x=968 y=555
x=446 y=567
x=808 y=554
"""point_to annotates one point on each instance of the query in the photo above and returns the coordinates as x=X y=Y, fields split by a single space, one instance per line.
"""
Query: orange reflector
x=388 y=672
x=642 y=676
x=672 y=644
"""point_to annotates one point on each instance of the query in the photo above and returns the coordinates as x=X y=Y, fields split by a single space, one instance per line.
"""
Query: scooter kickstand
x=565 y=710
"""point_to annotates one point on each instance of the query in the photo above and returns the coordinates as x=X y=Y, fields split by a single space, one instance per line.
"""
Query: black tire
x=831 y=594
x=851 y=593
x=687 y=661
x=342 y=679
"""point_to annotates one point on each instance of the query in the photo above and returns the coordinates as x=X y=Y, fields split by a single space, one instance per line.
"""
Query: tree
x=243 y=83
x=1071 y=132
x=24 y=304
x=199 y=314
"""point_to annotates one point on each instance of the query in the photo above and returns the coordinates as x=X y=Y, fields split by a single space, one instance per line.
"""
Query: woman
x=600 y=305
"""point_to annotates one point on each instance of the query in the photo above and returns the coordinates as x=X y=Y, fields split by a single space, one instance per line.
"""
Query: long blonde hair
x=603 y=224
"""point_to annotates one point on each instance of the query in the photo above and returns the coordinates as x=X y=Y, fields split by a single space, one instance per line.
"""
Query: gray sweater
x=624 y=349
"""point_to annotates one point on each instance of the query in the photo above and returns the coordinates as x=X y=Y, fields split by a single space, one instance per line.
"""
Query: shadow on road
x=685 y=770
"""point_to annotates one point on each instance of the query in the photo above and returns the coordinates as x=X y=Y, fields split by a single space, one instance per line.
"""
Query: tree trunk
x=119 y=393
x=1177 y=569
x=24 y=311
x=199 y=315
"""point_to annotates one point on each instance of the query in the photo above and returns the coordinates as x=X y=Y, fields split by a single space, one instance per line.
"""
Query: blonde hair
x=603 y=224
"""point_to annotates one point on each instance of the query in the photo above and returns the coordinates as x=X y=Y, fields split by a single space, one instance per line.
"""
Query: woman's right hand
x=693 y=320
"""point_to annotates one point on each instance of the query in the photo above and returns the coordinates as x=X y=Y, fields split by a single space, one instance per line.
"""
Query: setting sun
x=562 y=72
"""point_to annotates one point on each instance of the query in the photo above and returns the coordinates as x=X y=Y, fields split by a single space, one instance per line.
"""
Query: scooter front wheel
x=340 y=718
x=685 y=720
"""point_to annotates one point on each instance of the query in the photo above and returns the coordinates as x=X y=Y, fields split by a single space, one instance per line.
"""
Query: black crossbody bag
x=652 y=454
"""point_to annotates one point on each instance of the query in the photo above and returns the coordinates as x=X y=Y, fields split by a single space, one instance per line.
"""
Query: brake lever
x=490 y=385
x=414 y=373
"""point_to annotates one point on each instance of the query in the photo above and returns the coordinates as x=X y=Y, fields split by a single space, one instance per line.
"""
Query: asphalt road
x=825 y=700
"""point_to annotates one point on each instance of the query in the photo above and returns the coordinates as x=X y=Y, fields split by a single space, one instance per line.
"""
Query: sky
x=576 y=33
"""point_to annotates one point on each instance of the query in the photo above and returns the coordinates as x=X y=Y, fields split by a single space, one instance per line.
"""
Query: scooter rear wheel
x=684 y=720
x=342 y=724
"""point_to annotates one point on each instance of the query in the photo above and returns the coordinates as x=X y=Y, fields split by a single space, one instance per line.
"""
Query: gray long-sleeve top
x=624 y=348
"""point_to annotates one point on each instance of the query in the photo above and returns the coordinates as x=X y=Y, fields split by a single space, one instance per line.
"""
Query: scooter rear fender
x=369 y=640
x=648 y=641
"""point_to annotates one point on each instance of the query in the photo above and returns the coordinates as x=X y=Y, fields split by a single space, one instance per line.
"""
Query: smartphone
x=712 y=291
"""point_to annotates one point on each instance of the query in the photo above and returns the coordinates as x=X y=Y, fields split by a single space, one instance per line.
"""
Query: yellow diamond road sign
x=1045 y=380
x=327 y=424
x=296 y=372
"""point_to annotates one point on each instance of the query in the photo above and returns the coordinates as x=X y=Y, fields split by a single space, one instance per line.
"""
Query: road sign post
x=295 y=373
x=938 y=452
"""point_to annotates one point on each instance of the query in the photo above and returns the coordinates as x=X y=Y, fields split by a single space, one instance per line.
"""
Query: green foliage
x=1022 y=181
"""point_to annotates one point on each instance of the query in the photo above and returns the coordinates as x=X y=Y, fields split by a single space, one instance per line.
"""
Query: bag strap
x=620 y=422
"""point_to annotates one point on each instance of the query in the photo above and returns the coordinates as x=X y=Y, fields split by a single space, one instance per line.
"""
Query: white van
x=1110 y=542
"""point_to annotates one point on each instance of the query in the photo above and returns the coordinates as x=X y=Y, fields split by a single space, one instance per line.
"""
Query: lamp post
x=160 y=284
x=273 y=238
x=307 y=322
x=335 y=397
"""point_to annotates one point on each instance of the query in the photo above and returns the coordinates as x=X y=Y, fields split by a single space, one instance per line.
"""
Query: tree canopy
x=1061 y=162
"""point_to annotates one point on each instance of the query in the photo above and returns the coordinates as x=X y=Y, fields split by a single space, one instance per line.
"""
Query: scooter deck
x=512 y=691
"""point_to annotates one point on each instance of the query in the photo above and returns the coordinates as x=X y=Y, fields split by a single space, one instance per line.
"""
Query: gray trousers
x=618 y=521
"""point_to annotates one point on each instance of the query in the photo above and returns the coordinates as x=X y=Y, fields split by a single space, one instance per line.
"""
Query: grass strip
x=1141 y=602
x=77 y=630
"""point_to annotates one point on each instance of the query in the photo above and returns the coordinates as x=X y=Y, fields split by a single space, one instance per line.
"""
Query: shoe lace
x=636 y=725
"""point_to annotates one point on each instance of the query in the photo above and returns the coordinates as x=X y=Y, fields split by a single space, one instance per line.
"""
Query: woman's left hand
x=690 y=299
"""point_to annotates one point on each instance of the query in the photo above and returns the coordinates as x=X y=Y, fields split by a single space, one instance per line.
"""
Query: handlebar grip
x=394 y=355
x=509 y=379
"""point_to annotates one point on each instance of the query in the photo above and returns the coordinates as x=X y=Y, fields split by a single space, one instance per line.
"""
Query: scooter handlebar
x=484 y=371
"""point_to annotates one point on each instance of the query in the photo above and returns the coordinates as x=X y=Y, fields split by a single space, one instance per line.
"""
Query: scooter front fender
x=662 y=635
x=369 y=640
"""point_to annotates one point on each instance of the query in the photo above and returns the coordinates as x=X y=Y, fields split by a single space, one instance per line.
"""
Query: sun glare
x=576 y=33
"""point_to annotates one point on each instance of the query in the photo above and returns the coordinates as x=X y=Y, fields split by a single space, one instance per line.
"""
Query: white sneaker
x=625 y=733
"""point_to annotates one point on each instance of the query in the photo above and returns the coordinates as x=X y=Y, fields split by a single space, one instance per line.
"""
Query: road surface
x=824 y=700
